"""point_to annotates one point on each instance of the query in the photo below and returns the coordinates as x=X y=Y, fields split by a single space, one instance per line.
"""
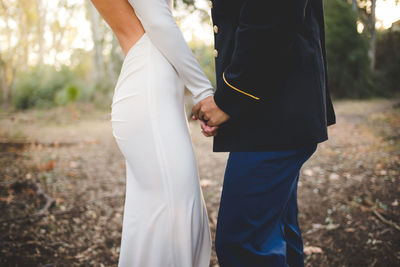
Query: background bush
x=45 y=87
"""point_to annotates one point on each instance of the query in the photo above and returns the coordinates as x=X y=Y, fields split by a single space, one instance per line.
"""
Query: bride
x=165 y=221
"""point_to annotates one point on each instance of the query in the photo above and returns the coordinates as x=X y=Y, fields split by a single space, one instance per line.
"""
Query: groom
x=270 y=110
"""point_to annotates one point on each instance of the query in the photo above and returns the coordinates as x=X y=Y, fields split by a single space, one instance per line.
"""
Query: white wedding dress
x=165 y=221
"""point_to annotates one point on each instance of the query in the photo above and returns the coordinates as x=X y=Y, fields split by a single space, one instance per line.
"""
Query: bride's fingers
x=213 y=132
x=204 y=126
x=206 y=134
x=212 y=128
x=207 y=128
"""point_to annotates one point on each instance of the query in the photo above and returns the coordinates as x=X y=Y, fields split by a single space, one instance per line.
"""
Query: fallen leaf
x=317 y=226
x=332 y=226
x=7 y=199
x=312 y=250
x=383 y=172
x=364 y=208
x=334 y=177
x=48 y=166
x=308 y=172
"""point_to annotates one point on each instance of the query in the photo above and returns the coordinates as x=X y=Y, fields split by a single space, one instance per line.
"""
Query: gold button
x=215 y=53
x=210 y=4
x=215 y=28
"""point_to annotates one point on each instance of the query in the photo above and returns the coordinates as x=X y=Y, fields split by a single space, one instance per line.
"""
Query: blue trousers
x=257 y=220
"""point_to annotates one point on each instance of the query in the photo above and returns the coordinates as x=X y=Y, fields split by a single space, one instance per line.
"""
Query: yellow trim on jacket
x=233 y=87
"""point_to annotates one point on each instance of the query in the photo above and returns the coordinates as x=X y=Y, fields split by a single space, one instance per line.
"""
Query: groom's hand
x=207 y=111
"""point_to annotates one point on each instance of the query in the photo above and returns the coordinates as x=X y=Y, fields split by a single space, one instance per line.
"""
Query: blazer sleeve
x=266 y=29
x=159 y=24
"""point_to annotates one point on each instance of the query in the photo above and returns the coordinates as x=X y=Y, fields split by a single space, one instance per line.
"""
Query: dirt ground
x=62 y=185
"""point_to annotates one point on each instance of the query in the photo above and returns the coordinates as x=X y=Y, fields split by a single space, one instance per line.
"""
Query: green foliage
x=347 y=52
x=44 y=87
x=388 y=62
x=68 y=95
x=204 y=55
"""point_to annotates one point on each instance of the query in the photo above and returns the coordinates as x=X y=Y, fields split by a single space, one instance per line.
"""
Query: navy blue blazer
x=271 y=74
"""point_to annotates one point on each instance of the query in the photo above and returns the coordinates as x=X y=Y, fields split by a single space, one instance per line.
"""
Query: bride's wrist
x=204 y=94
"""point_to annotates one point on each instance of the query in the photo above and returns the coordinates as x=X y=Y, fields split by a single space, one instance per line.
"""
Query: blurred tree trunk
x=4 y=86
x=355 y=6
x=62 y=33
x=99 y=70
x=372 y=43
x=27 y=22
x=368 y=17
x=42 y=13
x=7 y=78
x=10 y=56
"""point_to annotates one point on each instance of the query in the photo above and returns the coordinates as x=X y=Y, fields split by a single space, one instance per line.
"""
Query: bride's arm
x=160 y=26
x=120 y=16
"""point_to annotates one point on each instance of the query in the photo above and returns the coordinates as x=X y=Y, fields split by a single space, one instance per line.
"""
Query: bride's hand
x=207 y=130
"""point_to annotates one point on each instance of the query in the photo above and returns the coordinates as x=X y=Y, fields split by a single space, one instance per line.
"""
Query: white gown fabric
x=165 y=221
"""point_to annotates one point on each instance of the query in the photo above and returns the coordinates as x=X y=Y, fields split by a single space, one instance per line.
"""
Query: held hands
x=210 y=116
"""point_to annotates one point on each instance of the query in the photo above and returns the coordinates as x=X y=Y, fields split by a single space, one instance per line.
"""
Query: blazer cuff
x=233 y=100
x=237 y=89
x=229 y=100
